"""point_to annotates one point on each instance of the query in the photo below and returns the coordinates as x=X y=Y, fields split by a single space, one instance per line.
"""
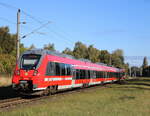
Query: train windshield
x=30 y=61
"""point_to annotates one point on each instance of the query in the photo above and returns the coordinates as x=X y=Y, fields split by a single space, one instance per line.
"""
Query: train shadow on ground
x=7 y=93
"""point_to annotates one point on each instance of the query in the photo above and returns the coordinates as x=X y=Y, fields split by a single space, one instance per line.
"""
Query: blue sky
x=107 y=24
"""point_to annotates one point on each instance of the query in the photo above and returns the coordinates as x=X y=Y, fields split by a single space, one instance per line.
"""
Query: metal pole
x=18 y=36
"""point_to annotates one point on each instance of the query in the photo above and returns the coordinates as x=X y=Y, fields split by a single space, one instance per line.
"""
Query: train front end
x=28 y=72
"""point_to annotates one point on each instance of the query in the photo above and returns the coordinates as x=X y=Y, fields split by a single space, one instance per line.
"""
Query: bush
x=7 y=63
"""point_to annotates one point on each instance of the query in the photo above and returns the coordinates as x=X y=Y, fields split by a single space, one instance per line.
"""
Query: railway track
x=9 y=100
x=11 y=103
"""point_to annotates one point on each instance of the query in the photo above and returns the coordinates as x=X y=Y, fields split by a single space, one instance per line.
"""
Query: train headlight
x=17 y=72
x=35 y=73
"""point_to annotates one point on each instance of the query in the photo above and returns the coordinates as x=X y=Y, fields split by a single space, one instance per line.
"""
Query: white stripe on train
x=56 y=79
x=70 y=86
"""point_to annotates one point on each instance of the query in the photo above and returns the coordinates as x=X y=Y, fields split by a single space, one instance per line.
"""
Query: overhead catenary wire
x=56 y=33
x=7 y=20
x=66 y=39
x=32 y=17
x=38 y=21
x=35 y=30
x=8 y=6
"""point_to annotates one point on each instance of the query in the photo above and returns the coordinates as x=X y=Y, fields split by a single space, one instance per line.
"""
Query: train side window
x=104 y=74
x=91 y=74
x=114 y=74
x=94 y=74
x=101 y=74
x=98 y=74
x=74 y=73
x=50 y=69
x=68 y=69
x=117 y=75
x=88 y=74
x=57 y=66
x=108 y=74
x=82 y=75
x=111 y=74
x=63 y=69
x=77 y=74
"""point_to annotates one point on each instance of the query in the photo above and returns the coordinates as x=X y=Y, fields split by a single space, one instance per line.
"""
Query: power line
x=6 y=20
x=8 y=6
x=61 y=36
x=136 y=57
x=35 y=19
x=68 y=34
x=64 y=33
x=40 y=22
x=32 y=17
x=35 y=30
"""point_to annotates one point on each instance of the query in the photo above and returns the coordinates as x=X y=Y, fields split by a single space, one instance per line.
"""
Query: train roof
x=56 y=53
x=43 y=51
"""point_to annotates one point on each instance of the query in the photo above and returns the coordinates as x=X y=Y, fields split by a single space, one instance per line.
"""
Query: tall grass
x=130 y=99
x=5 y=80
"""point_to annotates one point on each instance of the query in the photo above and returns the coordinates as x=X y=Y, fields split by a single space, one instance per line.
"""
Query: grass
x=130 y=99
x=5 y=80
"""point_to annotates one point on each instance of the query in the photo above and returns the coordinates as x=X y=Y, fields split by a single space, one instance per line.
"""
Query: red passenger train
x=48 y=71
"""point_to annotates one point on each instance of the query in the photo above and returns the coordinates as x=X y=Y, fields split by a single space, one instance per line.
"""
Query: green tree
x=22 y=49
x=68 y=51
x=117 y=58
x=8 y=50
x=93 y=54
x=145 y=69
x=1 y=51
x=7 y=63
x=80 y=50
x=7 y=41
x=104 y=56
x=145 y=62
x=49 y=47
x=32 y=47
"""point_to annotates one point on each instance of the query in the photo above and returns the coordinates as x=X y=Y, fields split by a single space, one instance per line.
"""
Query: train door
x=74 y=77
x=105 y=77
